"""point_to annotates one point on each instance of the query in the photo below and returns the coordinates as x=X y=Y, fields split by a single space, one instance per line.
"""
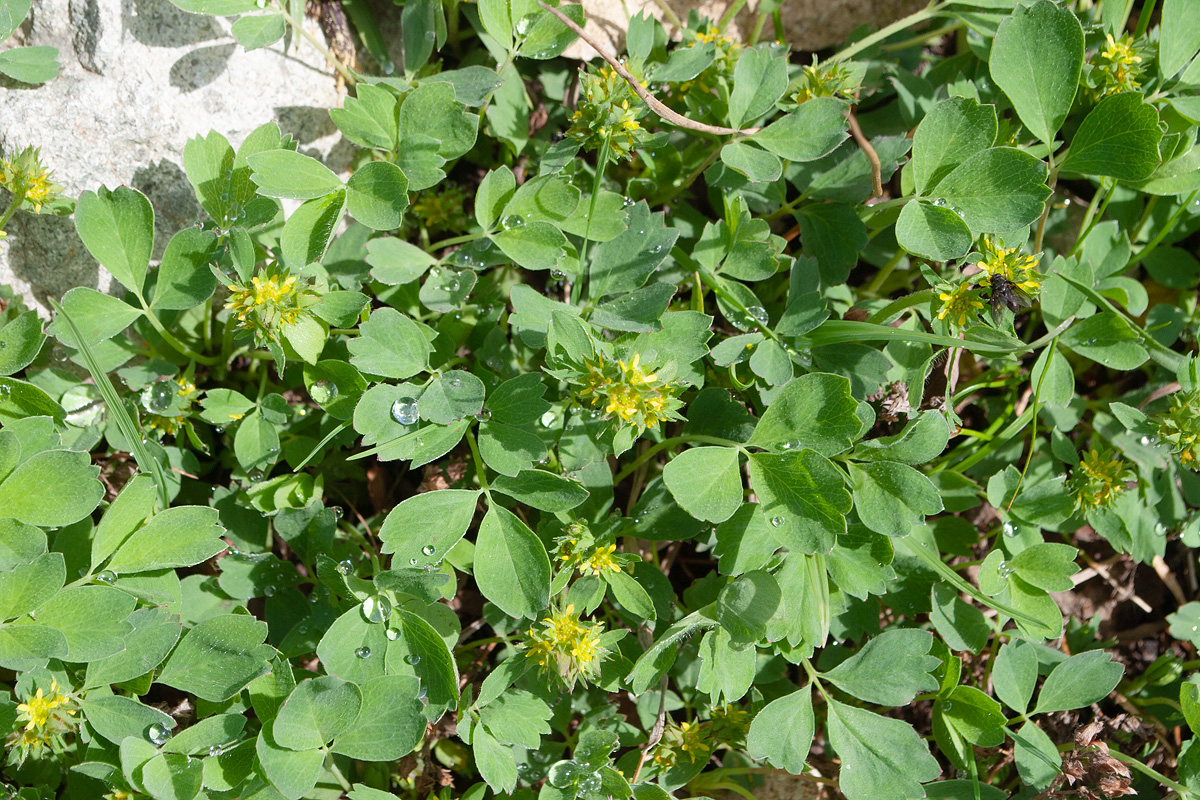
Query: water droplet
x=421 y=692
x=158 y=734
x=363 y=652
x=412 y=562
x=269 y=590
x=591 y=783
x=106 y=576
x=156 y=398
x=1004 y=569
x=513 y=221
x=557 y=274
x=404 y=410
x=323 y=392
x=428 y=549
x=940 y=202
x=256 y=475
x=345 y=567
x=376 y=609
x=777 y=522
x=1160 y=529
x=214 y=750
x=759 y=314
x=393 y=634
x=485 y=414
x=1010 y=530
x=5 y=391
x=656 y=249
x=412 y=659
x=1148 y=441
x=548 y=419
x=337 y=512
x=792 y=445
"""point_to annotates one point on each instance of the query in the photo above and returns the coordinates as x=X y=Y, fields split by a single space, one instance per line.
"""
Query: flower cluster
x=28 y=182
x=567 y=645
x=1117 y=67
x=609 y=110
x=441 y=210
x=581 y=551
x=166 y=418
x=630 y=393
x=1180 y=428
x=831 y=79
x=996 y=260
x=961 y=304
x=1098 y=480
x=271 y=300
x=687 y=739
x=47 y=718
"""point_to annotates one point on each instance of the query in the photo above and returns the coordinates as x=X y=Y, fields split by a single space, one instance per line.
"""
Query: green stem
x=885 y=273
x=650 y=452
x=1151 y=773
x=730 y=13
x=479 y=468
x=1093 y=215
x=17 y=199
x=444 y=243
x=915 y=40
x=882 y=316
x=929 y=12
x=170 y=339
x=1053 y=180
x=337 y=773
x=577 y=292
x=1143 y=22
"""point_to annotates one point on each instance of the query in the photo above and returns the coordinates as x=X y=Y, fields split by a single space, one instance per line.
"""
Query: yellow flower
x=601 y=560
x=47 y=716
x=960 y=304
x=1098 y=480
x=629 y=392
x=692 y=740
x=271 y=300
x=568 y=645
x=1019 y=270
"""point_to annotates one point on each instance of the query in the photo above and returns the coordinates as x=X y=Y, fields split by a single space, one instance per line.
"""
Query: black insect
x=1006 y=294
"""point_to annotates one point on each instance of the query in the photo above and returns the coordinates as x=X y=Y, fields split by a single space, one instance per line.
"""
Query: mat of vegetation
x=638 y=429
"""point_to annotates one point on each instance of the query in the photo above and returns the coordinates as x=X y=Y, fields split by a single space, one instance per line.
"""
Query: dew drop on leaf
x=363 y=652
x=158 y=734
x=376 y=609
x=106 y=576
x=324 y=392
x=345 y=567
x=776 y=522
x=428 y=549
x=393 y=634
x=404 y=410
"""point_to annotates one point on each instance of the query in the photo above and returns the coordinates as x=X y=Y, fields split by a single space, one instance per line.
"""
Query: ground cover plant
x=651 y=428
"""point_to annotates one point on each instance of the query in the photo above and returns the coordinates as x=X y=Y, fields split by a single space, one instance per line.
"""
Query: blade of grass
x=146 y=462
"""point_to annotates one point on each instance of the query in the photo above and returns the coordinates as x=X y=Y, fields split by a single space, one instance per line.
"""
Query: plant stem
x=170 y=339
x=479 y=468
x=597 y=181
x=12 y=207
x=650 y=452
x=1162 y=234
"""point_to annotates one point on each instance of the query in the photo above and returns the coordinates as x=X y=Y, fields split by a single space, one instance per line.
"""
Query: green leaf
x=390 y=724
x=519 y=400
x=811 y=131
x=292 y=175
x=92 y=618
x=253 y=32
x=542 y=490
x=497 y=21
x=782 y=733
x=451 y=396
x=626 y=262
x=422 y=652
x=1015 y=674
x=1036 y=59
x=431 y=110
x=804 y=496
x=19 y=543
x=293 y=773
x=391 y=345
x=335 y=385
x=1108 y=339
x=12 y=14
x=706 y=482
x=959 y=623
x=954 y=130
x=178 y=537
x=115 y=717
x=746 y=605
x=33 y=492
x=511 y=564
x=631 y=595
x=1048 y=566
x=19 y=399
x=216 y=731
x=533 y=245
x=317 y=710
x=974 y=716
x=306 y=336
x=218 y=658
x=922 y=440
x=21 y=339
x=517 y=717
x=833 y=234
x=892 y=498
x=889 y=670
x=759 y=79
x=1038 y=760
x=494 y=192
x=172 y=776
x=433 y=521
x=396 y=262
x=117 y=228
x=755 y=163
x=548 y=37
x=659 y=657
x=1179 y=36
x=933 y=232
x=494 y=761
x=377 y=194
x=256 y=443
x=1119 y=138
x=1079 y=681
x=216 y=8
x=30 y=64
x=155 y=632
x=996 y=190
x=815 y=411
x=184 y=277
x=354 y=649
x=369 y=118
x=307 y=232
x=882 y=758
x=509 y=450
x=99 y=316
x=23 y=646
x=27 y=586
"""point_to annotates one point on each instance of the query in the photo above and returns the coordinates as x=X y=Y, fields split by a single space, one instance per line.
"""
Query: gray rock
x=140 y=78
